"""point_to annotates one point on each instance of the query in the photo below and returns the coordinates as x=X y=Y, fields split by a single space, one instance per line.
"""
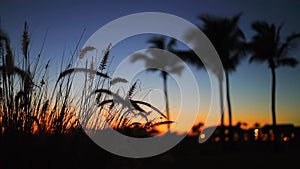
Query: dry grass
x=26 y=106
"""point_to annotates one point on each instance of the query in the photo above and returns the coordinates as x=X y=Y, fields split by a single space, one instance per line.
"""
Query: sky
x=65 y=21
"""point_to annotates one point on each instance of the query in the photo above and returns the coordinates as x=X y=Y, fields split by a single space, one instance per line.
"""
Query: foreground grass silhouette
x=81 y=96
x=38 y=129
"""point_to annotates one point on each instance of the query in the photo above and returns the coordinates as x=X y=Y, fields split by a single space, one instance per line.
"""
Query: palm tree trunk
x=228 y=104
x=221 y=110
x=164 y=75
x=273 y=103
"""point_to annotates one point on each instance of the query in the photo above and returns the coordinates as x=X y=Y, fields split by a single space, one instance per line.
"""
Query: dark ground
x=80 y=152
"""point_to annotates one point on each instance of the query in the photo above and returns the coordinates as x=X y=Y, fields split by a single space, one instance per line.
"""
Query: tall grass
x=27 y=107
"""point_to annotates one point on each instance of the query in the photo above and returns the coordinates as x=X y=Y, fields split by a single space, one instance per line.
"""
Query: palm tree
x=164 y=65
x=192 y=58
x=228 y=40
x=267 y=46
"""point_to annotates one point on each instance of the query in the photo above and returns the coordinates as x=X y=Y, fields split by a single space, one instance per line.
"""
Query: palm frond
x=139 y=56
x=189 y=56
x=176 y=69
x=260 y=26
x=157 y=42
x=257 y=58
x=227 y=38
x=277 y=37
x=235 y=19
x=292 y=62
x=290 y=43
x=171 y=43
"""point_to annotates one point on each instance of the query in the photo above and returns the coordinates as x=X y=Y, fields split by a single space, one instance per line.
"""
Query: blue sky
x=250 y=84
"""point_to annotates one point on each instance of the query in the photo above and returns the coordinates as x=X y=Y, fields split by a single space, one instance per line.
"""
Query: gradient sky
x=250 y=84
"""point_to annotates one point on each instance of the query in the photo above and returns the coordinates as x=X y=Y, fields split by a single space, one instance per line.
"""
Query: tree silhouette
x=267 y=46
x=228 y=40
x=164 y=65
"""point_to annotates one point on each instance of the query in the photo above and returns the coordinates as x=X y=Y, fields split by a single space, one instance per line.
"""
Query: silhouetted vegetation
x=28 y=108
x=229 y=42
x=268 y=46
x=47 y=125
x=161 y=63
x=228 y=39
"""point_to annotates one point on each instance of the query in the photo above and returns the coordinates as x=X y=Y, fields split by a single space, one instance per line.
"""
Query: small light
x=256 y=134
x=217 y=139
x=226 y=132
x=202 y=136
x=293 y=135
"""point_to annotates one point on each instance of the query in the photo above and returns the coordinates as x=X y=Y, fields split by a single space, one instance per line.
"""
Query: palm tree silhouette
x=164 y=65
x=267 y=46
x=228 y=40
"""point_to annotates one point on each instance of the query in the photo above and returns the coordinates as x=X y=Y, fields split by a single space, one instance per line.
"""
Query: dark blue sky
x=65 y=21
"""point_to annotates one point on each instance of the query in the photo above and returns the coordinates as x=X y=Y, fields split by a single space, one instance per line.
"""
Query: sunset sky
x=250 y=84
